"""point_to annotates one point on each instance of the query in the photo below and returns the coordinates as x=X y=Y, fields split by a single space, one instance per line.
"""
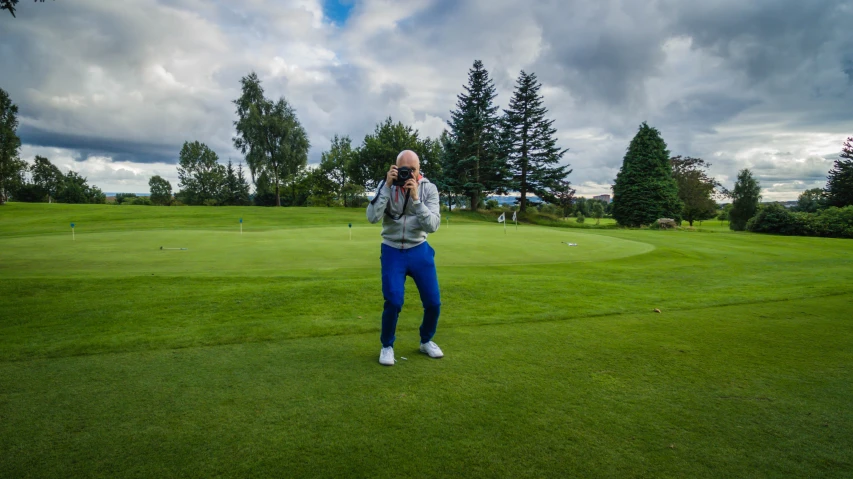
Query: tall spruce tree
x=645 y=189
x=235 y=189
x=445 y=182
x=528 y=144
x=242 y=187
x=745 y=197
x=473 y=165
x=839 y=182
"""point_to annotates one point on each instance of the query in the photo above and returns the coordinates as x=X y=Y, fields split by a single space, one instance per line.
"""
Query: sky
x=113 y=89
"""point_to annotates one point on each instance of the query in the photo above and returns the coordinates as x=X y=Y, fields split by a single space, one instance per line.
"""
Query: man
x=408 y=213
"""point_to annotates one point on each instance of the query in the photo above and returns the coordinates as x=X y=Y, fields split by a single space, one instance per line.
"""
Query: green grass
x=256 y=354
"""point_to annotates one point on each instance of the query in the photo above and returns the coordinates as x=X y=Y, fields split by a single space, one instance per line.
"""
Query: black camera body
x=403 y=175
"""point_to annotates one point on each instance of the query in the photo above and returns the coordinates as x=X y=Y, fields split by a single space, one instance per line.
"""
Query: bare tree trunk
x=277 y=191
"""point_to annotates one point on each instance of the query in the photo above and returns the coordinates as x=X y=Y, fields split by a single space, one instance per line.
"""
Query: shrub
x=773 y=218
x=832 y=222
x=139 y=200
x=664 y=224
x=359 y=202
x=580 y=218
x=549 y=209
x=125 y=198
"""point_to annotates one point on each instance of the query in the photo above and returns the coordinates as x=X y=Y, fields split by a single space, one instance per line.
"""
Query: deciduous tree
x=695 y=188
x=811 y=200
x=379 y=151
x=47 y=178
x=270 y=135
x=745 y=197
x=160 y=190
x=335 y=166
x=200 y=175
x=597 y=211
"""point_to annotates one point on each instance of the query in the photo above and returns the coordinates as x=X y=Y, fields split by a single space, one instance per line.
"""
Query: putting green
x=216 y=252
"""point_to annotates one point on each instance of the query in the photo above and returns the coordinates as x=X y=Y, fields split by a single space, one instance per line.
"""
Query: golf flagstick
x=350 y=231
x=241 y=225
x=72 y=231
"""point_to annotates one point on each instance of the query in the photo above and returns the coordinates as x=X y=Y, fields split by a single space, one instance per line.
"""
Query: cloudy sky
x=112 y=89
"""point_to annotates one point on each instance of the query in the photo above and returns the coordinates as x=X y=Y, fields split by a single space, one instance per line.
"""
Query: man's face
x=412 y=163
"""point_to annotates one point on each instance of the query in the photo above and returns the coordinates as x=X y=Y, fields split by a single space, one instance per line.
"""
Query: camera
x=403 y=175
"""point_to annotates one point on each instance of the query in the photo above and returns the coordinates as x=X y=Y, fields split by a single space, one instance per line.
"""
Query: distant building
x=604 y=198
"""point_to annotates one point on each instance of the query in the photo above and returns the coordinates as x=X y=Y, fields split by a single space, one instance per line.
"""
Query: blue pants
x=419 y=263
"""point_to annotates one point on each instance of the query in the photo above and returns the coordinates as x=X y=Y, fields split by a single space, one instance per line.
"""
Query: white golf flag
x=501 y=218
x=513 y=216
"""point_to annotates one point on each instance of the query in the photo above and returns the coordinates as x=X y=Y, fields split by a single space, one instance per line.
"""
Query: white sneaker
x=432 y=350
x=386 y=356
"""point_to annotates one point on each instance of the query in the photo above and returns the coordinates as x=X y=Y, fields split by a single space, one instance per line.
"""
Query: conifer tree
x=242 y=192
x=11 y=165
x=529 y=145
x=645 y=189
x=472 y=164
x=839 y=182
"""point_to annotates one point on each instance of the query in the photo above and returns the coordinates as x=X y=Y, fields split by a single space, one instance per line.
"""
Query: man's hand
x=412 y=186
x=391 y=176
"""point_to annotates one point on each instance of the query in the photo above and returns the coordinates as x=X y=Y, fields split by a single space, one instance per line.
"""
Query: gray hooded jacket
x=412 y=228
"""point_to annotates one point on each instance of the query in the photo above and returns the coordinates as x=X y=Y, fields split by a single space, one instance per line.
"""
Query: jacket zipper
x=403 y=239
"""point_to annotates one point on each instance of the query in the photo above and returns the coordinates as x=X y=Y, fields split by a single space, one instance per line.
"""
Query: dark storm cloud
x=118 y=149
x=763 y=38
x=601 y=52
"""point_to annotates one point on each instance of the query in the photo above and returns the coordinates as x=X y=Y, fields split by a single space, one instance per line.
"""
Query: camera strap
x=405 y=203
x=376 y=196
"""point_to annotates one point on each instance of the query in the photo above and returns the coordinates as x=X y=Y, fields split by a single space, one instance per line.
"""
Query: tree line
x=650 y=186
x=40 y=181
x=482 y=153
x=818 y=212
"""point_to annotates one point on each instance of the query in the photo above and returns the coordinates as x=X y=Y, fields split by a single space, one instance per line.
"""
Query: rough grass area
x=255 y=355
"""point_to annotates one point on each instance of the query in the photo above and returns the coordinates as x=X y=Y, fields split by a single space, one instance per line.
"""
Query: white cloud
x=108 y=175
x=122 y=85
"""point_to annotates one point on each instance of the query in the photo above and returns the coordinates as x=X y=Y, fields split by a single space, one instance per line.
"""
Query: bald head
x=409 y=158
